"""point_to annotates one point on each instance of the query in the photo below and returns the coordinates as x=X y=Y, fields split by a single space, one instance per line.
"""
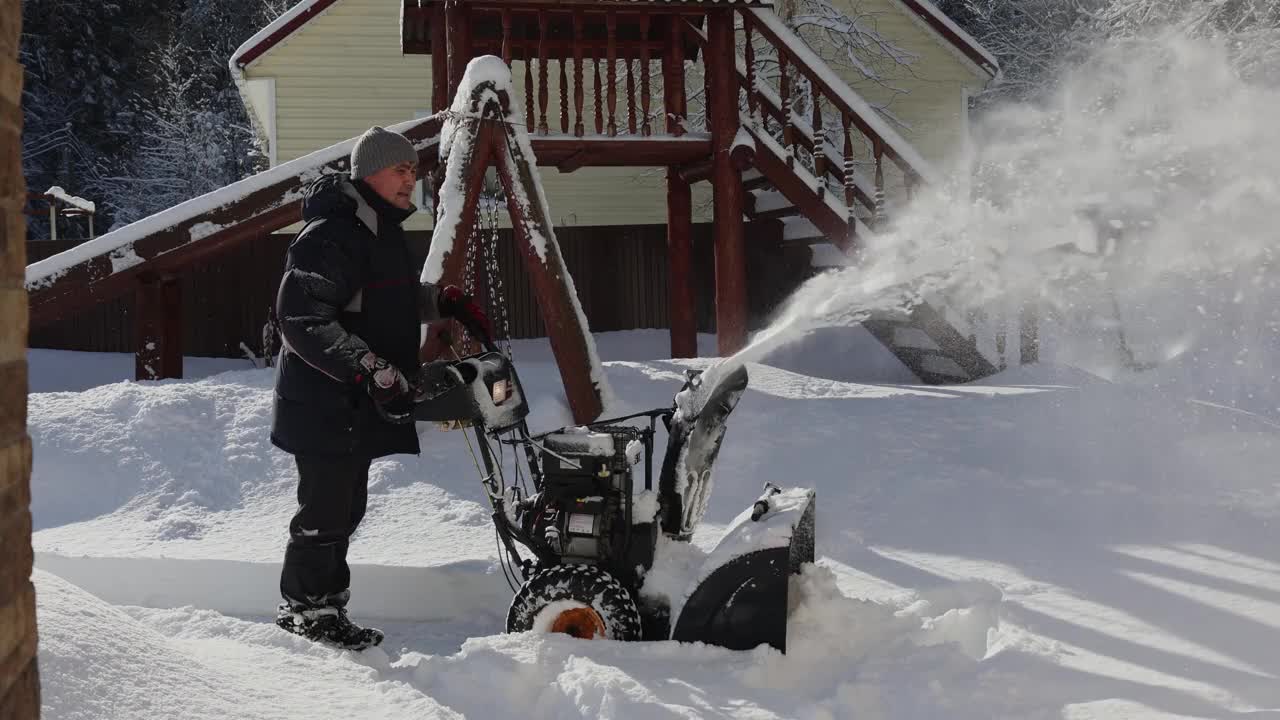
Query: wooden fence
x=620 y=274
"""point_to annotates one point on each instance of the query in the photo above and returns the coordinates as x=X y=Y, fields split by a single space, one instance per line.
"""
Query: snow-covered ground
x=1044 y=544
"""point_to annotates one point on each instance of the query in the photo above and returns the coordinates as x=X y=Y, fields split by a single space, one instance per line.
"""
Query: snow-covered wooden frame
x=480 y=132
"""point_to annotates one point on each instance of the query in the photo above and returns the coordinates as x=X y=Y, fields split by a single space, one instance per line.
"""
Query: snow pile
x=1044 y=544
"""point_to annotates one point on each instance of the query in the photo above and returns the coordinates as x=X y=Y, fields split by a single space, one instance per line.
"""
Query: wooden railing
x=583 y=70
x=820 y=124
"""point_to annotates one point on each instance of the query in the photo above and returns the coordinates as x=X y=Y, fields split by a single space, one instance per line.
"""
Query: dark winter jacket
x=349 y=287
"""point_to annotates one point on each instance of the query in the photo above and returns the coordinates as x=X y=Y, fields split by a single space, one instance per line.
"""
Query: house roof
x=954 y=34
x=277 y=31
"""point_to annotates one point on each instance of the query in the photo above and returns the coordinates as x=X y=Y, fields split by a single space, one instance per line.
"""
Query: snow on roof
x=59 y=193
x=955 y=35
x=265 y=39
x=118 y=243
x=277 y=31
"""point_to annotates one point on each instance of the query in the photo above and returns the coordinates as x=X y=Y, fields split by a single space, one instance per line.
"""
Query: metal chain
x=469 y=281
x=497 y=291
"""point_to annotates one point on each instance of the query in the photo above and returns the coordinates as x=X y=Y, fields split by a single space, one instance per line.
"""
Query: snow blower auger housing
x=582 y=502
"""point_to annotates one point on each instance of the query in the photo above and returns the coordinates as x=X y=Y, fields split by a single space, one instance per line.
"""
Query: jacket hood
x=336 y=195
x=326 y=197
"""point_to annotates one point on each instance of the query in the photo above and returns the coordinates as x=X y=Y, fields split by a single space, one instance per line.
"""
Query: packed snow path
x=1045 y=545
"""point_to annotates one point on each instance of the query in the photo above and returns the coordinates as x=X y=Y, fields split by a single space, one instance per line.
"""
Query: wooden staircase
x=820 y=160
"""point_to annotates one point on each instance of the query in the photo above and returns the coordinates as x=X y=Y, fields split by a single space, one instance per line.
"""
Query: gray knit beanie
x=379 y=149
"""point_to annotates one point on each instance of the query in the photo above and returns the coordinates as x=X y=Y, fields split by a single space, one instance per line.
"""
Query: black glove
x=390 y=389
x=454 y=303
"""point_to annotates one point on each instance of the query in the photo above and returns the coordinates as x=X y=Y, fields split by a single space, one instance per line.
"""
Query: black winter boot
x=328 y=625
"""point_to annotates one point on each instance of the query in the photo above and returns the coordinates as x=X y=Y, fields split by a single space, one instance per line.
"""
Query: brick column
x=19 y=684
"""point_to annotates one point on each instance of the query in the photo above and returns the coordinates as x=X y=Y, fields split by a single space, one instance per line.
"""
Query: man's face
x=395 y=184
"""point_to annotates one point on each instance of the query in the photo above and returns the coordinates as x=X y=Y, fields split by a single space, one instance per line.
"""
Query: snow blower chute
x=573 y=499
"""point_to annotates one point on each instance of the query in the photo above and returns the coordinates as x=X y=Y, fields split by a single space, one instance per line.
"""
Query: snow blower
x=575 y=504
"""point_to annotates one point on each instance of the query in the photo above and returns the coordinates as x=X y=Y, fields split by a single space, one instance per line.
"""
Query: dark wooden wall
x=620 y=274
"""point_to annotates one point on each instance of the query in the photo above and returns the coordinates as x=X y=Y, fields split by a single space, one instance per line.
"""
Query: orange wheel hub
x=584 y=623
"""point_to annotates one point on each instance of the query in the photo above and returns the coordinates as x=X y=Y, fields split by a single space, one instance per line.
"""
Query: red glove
x=454 y=303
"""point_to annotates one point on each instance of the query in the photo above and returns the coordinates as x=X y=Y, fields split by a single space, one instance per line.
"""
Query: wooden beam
x=552 y=150
x=574 y=162
x=730 y=252
x=681 y=304
x=696 y=171
x=441 y=335
x=565 y=325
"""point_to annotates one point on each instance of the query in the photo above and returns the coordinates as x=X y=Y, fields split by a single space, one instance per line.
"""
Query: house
x=649 y=116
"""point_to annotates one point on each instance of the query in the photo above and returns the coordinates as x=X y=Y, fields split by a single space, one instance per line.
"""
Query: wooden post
x=682 y=299
x=458 y=41
x=611 y=50
x=681 y=308
x=19 y=678
x=673 y=94
x=570 y=338
x=158 y=309
x=731 y=269
x=440 y=334
x=439 y=62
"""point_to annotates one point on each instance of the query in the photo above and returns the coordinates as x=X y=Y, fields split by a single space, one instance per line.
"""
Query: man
x=349 y=310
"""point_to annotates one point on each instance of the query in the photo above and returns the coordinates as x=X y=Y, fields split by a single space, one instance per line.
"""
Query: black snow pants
x=332 y=492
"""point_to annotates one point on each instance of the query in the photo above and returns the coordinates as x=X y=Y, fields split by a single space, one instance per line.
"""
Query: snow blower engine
x=582 y=502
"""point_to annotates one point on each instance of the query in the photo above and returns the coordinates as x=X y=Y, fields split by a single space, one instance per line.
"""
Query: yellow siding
x=931 y=101
x=343 y=72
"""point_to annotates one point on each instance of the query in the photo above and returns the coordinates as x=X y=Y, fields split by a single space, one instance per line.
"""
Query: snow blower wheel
x=579 y=600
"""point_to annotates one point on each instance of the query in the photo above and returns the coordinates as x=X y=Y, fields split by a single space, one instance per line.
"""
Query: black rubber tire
x=586 y=584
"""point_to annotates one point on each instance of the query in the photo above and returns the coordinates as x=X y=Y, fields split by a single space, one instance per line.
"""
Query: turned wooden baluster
x=631 y=97
x=599 y=98
x=564 y=98
x=819 y=140
x=752 y=105
x=506 y=36
x=542 y=73
x=848 y=165
x=788 y=128
x=577 y=73
x=644 y=75
x=528 y=89
x=879 y=153
x=611 y=26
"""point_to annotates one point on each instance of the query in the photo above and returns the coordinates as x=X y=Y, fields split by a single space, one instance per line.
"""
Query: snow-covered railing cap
x=108 y=266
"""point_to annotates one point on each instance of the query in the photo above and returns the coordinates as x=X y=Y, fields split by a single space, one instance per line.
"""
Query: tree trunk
x=19 y=681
